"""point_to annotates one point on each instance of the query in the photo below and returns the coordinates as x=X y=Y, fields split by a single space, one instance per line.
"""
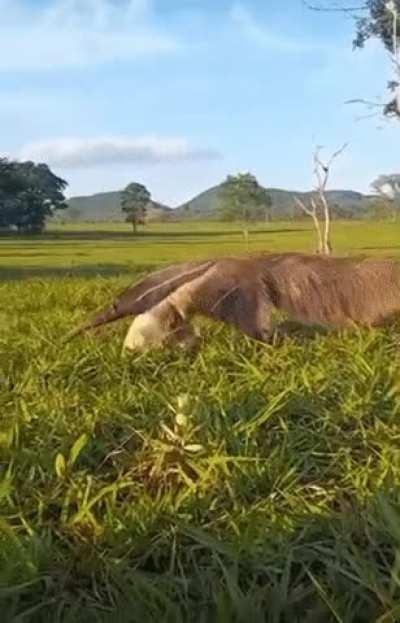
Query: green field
x=248 y=483
x=111 y=249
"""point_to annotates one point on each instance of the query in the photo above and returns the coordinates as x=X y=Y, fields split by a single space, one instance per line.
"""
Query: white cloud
x=81 y=152
x=260 y=35
x=78 y=33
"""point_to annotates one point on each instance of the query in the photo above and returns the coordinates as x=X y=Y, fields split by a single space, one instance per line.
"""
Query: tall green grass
x=247 y=483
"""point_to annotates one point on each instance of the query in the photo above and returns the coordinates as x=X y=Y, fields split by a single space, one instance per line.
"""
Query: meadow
x=246 y=483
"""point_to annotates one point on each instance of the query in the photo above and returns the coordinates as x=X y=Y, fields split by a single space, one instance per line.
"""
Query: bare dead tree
x=319 y=207
x=313 y=212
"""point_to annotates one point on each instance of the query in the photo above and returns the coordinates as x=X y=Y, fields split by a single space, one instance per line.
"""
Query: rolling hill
x=345 y=203
x=106 y=207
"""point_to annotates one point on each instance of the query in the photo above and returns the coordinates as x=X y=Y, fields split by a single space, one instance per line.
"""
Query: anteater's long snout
x=109 y=315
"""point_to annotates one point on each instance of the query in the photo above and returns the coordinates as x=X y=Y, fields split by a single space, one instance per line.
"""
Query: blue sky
x=176 y=94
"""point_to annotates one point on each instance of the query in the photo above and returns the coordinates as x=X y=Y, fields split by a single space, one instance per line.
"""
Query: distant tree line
x=29 y=194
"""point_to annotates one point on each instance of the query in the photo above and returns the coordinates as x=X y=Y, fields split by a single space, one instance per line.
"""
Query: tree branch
x=322 y=172
x=343 y=9
x=314 y=215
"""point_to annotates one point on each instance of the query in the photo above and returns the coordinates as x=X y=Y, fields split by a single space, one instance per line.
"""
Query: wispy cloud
x=259 y=33
x=82 y=153
x=78 y=33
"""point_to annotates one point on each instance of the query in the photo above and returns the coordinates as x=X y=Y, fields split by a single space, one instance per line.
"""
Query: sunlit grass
x=247 y=483
x=110 y=248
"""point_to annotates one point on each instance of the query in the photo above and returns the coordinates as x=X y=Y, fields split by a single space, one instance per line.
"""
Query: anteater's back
x=335 y=291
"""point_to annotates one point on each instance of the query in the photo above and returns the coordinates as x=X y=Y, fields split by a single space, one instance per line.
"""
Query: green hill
x=106 y=206
x=345 y=203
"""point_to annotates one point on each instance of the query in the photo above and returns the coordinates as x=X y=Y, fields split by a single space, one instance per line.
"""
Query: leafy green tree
x=380 y=210
x=29 y=194
x=241 y=198
x=134 y=202
x=388 y=188
x=10 y=181
x=377 y=23
x=375 y=19
x=382 y=22
x=388 y=185
x=42 y=195
x=11 y=184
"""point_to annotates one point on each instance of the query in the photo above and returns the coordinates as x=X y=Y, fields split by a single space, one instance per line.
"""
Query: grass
x=249 y=483
x=111 y=249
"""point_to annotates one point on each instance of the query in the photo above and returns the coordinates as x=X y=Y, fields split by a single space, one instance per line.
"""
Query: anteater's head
x=161 y=325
